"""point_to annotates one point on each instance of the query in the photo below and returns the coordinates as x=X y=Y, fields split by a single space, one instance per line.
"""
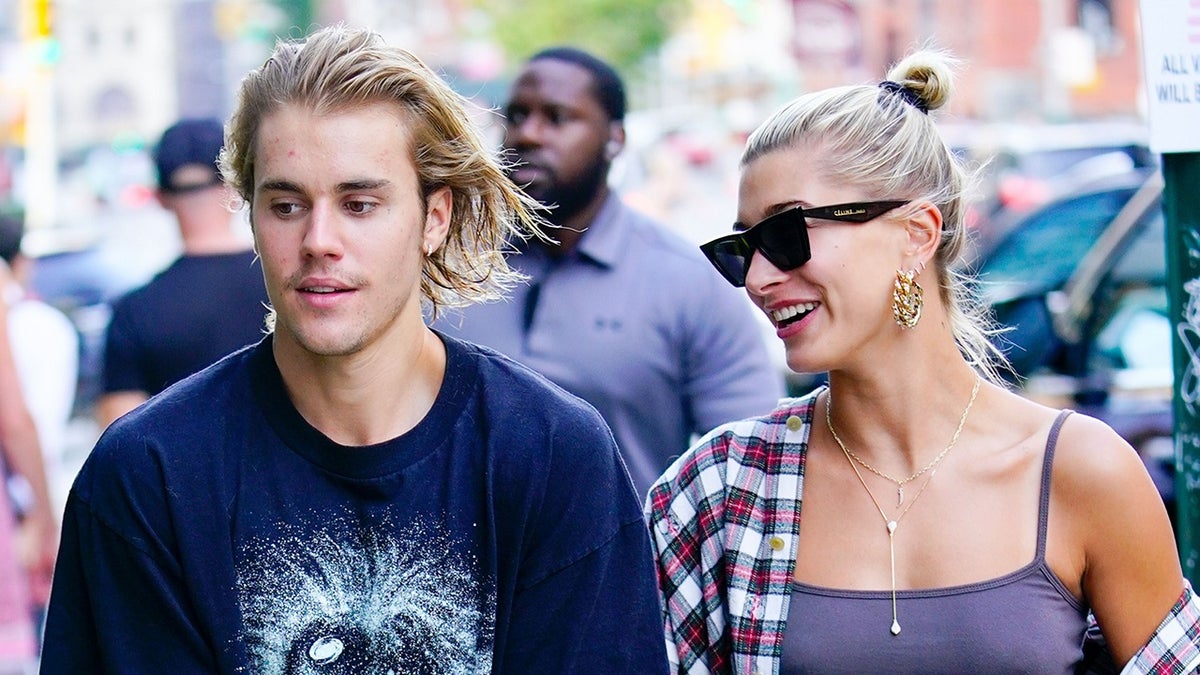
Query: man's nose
x=322 y=236
x=529 y=131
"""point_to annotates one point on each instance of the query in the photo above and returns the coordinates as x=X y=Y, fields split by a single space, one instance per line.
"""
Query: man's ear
x=616 y=141
x=439 y=206
x=923 y=229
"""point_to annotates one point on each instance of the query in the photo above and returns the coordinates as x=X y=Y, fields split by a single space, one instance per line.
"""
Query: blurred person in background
x=618 y=310
x=45 y=346
x=358 y=493
x=914 y=515
x=209 y=302
x=27 y=543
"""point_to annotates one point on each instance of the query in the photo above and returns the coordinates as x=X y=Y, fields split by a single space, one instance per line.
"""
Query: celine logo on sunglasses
x=849 y=212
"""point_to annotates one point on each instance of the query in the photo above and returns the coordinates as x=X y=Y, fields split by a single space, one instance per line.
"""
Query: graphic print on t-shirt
x=364 y=600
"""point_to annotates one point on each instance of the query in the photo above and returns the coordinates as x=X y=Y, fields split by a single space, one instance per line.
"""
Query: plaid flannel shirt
x=725 y=521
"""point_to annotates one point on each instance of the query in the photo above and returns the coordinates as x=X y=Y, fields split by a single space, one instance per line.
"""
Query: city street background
x=86 y=87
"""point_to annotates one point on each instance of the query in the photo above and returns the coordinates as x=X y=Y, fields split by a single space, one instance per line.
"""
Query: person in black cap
x=209 y=302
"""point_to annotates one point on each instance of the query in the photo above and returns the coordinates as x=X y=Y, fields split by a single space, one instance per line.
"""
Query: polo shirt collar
x=607 y=237
x=603 y=243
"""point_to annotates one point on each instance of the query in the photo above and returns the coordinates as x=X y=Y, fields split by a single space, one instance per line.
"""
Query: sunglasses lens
x=784 y=240
x=731 y=257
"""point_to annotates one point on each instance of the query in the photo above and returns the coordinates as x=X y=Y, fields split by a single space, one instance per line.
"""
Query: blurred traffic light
x=38 y=19
x=37 y=32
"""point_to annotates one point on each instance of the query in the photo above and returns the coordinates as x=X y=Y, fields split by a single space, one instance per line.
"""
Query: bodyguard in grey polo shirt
x=622 y=312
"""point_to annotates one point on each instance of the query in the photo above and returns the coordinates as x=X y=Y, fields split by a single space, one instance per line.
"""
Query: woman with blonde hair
x=949 y=524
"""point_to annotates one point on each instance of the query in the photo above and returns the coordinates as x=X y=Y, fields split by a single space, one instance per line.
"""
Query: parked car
x=1025 y=166
x=1081 y=282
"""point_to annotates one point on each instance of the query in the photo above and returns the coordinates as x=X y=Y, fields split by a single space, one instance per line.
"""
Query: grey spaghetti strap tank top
x=1023 y=622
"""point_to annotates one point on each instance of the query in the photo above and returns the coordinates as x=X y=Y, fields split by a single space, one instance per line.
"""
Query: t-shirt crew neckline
x=371 y=461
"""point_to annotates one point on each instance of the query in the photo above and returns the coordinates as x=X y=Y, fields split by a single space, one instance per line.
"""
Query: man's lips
x=322 y=290
x=323 y=296
x=528 y=173
x=322 y=286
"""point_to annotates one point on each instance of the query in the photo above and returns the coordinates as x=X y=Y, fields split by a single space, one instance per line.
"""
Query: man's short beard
x=569 y=199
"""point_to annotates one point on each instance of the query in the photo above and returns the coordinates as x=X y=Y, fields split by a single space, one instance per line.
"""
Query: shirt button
x=777 y=543
x=794 y=423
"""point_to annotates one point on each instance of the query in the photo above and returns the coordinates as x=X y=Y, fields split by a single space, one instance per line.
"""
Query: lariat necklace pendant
x=891 y=528
x=930 y=468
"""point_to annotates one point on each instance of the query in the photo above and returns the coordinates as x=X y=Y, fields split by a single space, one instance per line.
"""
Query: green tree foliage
x=622 y=32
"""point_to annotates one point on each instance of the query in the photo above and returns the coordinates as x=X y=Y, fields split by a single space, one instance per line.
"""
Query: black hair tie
x=910 y=97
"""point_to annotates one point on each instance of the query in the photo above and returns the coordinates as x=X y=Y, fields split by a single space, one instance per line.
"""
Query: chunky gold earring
x=907 y=298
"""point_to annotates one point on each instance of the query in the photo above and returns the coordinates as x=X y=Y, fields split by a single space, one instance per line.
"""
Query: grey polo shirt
x=636 y=322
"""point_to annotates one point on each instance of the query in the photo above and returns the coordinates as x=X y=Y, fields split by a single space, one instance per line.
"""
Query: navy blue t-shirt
x=215 y=530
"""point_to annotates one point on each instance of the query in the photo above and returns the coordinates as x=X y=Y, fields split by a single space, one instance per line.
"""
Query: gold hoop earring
x=907 y=298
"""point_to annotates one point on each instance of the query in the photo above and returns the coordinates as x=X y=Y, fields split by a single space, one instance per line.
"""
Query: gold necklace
x=891 y=523
x=934 y=462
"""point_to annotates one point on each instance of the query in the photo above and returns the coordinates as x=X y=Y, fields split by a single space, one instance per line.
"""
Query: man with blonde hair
x=358 y=493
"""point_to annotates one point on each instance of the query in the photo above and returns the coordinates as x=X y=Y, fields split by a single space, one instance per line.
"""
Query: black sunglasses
x=783 y=237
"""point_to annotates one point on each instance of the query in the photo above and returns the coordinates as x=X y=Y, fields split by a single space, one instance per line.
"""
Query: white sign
x=1171 y=57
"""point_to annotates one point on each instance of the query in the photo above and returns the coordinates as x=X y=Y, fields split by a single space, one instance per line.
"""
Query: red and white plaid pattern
x=725 y=524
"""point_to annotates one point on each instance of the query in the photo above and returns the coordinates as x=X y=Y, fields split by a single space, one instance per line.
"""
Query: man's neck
x=368 y=397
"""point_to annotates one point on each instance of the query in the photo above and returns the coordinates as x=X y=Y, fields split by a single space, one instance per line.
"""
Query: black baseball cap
x=189 y=142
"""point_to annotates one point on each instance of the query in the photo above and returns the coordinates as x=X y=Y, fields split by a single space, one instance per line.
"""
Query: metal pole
x=1181 y=173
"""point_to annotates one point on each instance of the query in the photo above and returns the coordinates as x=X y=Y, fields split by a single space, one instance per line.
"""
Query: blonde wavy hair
x=883 y=140
x=338 y=68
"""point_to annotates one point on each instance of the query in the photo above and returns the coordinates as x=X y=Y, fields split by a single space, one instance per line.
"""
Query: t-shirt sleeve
x=121 y=356
x=587 y=598
x=599 y=614
x=118 y=603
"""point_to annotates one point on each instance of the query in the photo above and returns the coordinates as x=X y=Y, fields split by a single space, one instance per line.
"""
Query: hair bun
x=926 y=76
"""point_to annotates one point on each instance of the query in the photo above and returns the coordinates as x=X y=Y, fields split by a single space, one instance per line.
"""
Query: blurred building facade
x=1037 y=60
x=115 y=76
x=1025 y=60
x=135 y=64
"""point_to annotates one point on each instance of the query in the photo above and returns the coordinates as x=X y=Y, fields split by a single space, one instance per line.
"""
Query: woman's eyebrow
x=739 y=226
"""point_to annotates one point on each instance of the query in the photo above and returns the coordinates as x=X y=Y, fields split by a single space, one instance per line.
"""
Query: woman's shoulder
x=1087 y=452
x=1091 y=457
x=1102 y=491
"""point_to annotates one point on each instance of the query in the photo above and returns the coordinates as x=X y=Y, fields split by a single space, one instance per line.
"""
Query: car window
x=1138 y=333
x=1045 y=248
x=1146 y=259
